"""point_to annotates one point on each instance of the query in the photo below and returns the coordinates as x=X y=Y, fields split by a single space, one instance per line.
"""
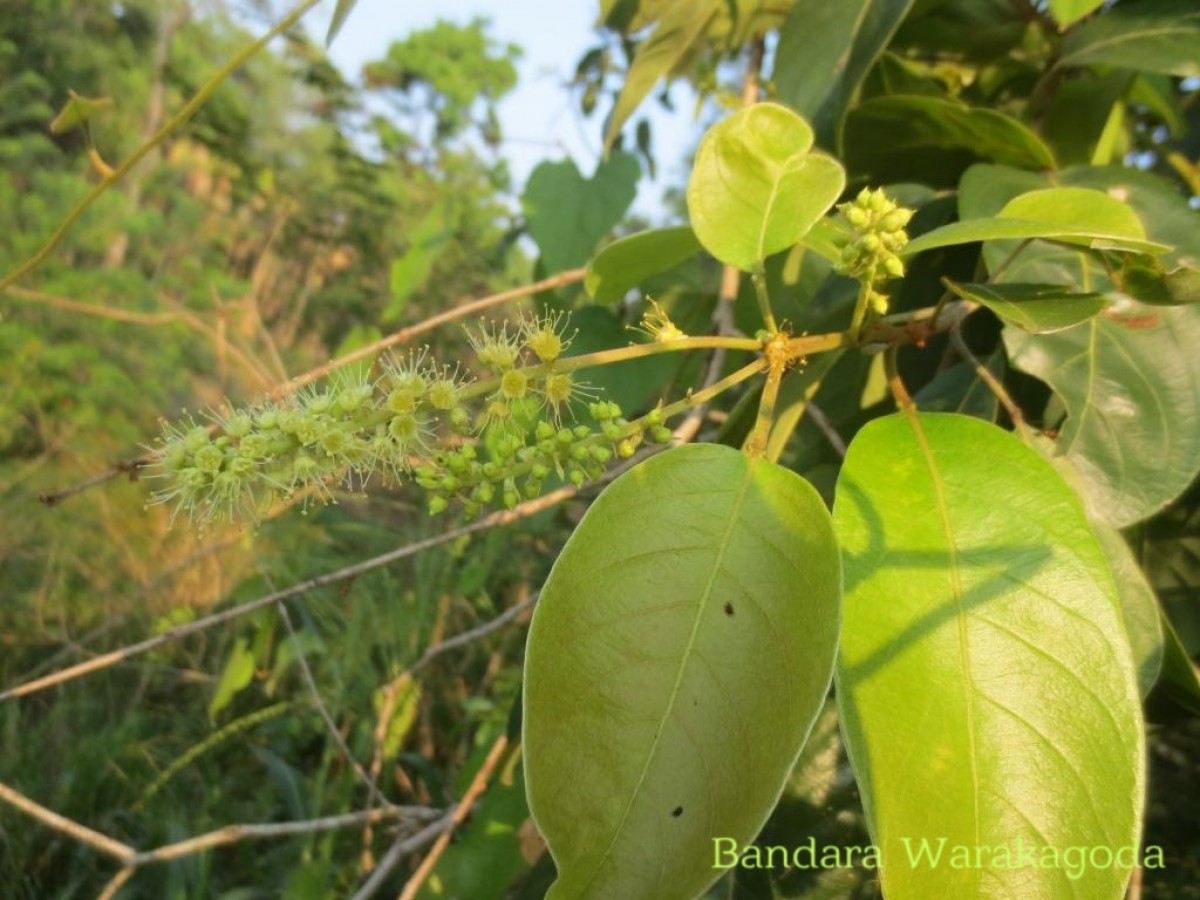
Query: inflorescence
x=872 y=253
x=493 y=442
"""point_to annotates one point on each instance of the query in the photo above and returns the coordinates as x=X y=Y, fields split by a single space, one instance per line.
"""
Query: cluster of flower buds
x=520 y=459
x=493 y=442
x=877 y=235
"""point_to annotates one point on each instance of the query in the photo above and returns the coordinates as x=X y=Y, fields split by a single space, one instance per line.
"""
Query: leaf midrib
x=734 y=515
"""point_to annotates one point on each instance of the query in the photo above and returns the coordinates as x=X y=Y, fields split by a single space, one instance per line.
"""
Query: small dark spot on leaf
x=677 y=811
x=729 y=609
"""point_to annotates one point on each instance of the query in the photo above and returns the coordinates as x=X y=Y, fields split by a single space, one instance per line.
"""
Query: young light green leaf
x=682 y=22
x=237 y=674
x=1153 y=36
x=626 y=263
x=340 y=13
x=932 y=140
x=678 y=657
x=755 y=188
x=985 y=683
x=1067 y=12
x=1070 y=215
x=77 y=111
x=1130 y=380
x=825 y=51
x=1039 y=308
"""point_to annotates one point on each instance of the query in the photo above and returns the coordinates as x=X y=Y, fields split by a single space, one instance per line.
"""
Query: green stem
x=173 y=124
x=620 y=354
x=759 y=277
x=859 y=319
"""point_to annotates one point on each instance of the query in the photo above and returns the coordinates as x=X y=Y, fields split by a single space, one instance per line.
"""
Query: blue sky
x=540 y=118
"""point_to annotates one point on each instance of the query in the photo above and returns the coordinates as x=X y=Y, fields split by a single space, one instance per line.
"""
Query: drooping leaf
x=1079 y=121
x=932 y=140
x=1067 y=12
x=985 y=684
x=1130 y=380
x=1139 y=606
x=681 y=23
x=237 y=674
x=1069 y=215
x=77 y=111
x=340 y=13
x=1039 y=308
x=626 y=263
x=825 y=51
x=568 y=215
x=755 y=188
x=1153 y=36
x=678 y=657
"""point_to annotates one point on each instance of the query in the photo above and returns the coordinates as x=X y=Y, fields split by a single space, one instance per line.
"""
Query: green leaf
x=1153 y=36
x=1068 y=215
x=825 y=51
x=1150 y=282
x=569 y=215
x=932 y=140
x=1067 y=12
x=237 y=674
x=985 y=684
x=626 y=263
x=77 y=111
x=682 y=22
x=411 y=271
x=1039 y=308
x=1139 y=606
x=340 y=13
x=755 y=188
x=678 y=657
x=1180 y=679
x=1130 y=380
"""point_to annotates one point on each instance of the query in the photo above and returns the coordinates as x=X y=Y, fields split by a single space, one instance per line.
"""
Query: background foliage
x=301 y=214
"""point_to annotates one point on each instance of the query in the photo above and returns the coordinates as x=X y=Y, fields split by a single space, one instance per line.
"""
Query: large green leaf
x=682 y=22
x=626 y=263
x=932 y=140
x=1130 y=380
x=755 y=188
x=825 y=51
x=569 y=215
x=678 y=657
x=1153 y=35
x=1069 y=215
x=985 y=683
x=1139 y=606
x=1039 y=308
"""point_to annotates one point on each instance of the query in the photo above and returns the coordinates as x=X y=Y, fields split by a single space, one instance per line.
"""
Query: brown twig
x=330 y=725
x=401 y=849
x=407 y=334
x=105 y=660
x=69 y=827
x=478 y=785
x=994 y=384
